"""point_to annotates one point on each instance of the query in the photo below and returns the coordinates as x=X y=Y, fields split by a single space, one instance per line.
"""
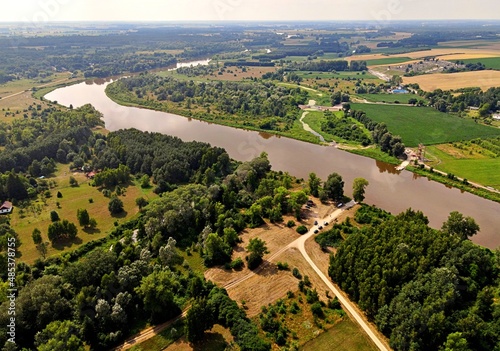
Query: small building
x=90 y=175
x=496 y=117
x=6 y=207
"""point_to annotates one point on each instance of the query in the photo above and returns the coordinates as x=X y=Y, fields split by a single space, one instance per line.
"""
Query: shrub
x=282 y=266
x=290 y=223
x=301 y=229
x=317 y=310
x=237 y=264
x=296 y=273
x=59 y=195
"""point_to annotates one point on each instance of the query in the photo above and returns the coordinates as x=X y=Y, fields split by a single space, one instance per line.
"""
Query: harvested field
x=268 y=283
x=444 y=53
x=448 y=81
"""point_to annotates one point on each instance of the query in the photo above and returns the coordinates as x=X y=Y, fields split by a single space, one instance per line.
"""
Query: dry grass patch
x=448 y=81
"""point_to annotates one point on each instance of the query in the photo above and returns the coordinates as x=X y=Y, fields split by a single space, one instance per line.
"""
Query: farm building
x=6 y=207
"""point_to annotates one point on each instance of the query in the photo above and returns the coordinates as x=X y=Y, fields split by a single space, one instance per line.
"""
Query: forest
x=262 y=105
x=97 y=292
x=425 y=289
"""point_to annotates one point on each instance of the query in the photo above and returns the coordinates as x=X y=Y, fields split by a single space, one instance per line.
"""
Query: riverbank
x=302 y=132
x=297 y=132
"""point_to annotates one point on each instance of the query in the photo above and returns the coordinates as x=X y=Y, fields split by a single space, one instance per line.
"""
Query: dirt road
x=300 y=245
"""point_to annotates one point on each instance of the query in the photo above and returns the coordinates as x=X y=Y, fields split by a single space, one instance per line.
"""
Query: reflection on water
x=386 y=167
x=389 y=189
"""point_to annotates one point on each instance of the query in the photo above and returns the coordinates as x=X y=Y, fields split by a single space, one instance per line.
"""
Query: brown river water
x=389 y=189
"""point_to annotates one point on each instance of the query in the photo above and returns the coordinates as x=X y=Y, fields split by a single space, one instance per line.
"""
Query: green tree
x=198 y=319
x=455 y=342
x=358 y=189
x=145 y=181
x=314 y=184
x=115 y=205
x=54 y=216
x=334 y=187
x=62 y=230
x=141 y=202
x=72 y=181
x=463 y=227
x=37 y=236
x=257 y=248
x=59 y=336
x=83 y=217
x=216 y=250
x=157 y=293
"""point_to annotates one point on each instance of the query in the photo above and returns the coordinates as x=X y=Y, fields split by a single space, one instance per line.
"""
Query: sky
x=199 y=10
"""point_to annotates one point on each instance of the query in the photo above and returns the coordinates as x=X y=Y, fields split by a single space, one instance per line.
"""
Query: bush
x=296 y=273
x=59 y=195
x=253 y=261
x=282 y=266
x=115 y=206
x=301 y=229
x=334 y=304
x=317 y=310
x=290 y=223
x=54 y=216
x=237 y=264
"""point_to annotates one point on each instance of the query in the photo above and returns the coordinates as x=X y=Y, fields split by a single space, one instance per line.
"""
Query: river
x=391 y=190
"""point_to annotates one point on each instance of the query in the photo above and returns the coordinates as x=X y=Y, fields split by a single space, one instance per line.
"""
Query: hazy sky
x=168 y=10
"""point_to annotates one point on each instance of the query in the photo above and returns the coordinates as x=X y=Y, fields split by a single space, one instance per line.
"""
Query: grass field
x=386 y=97
x=424 y=124
x=345 y=336
x=37 y=215
x=387 y=61
x=489 y=62
x=466 y=161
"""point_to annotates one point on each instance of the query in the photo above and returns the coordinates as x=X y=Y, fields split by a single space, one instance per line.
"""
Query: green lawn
x=489 y=62
x=344 y=336
x=387 y=97
x=481 y=170
x=387 y=61
x=425 y=125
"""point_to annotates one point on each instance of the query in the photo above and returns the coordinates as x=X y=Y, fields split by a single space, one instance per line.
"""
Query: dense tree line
x=449 y=101
x=423 y=287
x=330 y=66
x=393 y=145
x=262 y=105
x=344 y=128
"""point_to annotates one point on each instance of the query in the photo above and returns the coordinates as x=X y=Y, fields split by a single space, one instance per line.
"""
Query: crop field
x=424 y=124
x=387 y=61
x=489 y=62
x=391 y=98
x=449 y=81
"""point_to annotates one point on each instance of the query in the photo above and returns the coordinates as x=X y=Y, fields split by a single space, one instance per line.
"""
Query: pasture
x=36 y=215
x=466 y=160
x=424 y=124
